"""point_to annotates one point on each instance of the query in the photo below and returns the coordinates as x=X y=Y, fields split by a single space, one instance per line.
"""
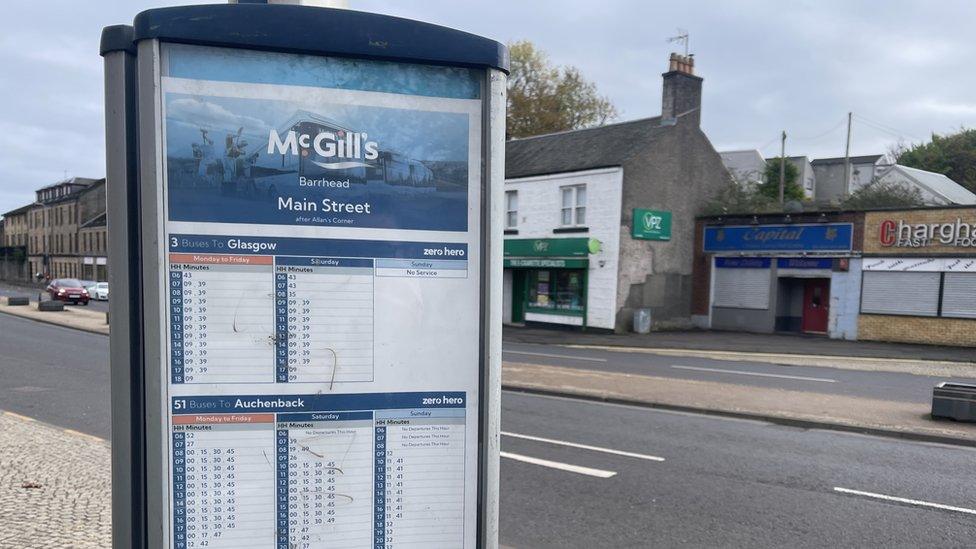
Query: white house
x=935 y=188
x=746 y=166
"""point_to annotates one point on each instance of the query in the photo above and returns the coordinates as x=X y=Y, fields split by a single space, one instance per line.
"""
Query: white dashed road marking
x=590 y=359
x=759 y=374
x=589 y=471
x=583 y=446
x=896 y=499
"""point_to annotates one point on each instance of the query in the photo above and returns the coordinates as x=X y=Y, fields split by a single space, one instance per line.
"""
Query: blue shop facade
x=796 y=273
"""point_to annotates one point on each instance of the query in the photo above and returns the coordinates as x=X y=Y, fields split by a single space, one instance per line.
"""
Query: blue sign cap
x=316 y=31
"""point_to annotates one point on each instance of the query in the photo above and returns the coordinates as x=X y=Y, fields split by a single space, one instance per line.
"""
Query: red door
x=816 y=305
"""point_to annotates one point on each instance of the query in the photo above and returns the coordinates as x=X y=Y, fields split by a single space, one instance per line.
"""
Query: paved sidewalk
x=70 y=317
x=802 y=408
x=55 y=486
x=743 y=342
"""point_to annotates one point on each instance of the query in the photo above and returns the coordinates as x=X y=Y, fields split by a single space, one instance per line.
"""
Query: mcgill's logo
x=348 y=148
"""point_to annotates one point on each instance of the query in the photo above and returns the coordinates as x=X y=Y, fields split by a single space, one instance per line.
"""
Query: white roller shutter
x=900 y=293
x=959 y=295
x=742 y=288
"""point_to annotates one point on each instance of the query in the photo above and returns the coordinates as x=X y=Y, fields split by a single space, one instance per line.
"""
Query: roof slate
x=939 y=184
x=865 y=159
x=578 y=150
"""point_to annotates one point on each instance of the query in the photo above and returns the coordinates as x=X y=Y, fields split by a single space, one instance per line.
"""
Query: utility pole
x=782 y=168
x=847 y=156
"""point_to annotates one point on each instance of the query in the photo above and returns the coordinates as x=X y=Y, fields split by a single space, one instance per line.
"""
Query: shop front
x=919 y=281
x=779 y=277
x=546 y=280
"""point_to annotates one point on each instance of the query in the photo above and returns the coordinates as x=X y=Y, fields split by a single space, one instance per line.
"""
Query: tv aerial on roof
x=682 y=37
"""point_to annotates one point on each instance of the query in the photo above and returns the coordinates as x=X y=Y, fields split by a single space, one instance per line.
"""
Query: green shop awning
x=551 y=247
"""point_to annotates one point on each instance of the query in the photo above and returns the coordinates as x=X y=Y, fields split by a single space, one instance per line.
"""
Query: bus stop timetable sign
x=315 y=276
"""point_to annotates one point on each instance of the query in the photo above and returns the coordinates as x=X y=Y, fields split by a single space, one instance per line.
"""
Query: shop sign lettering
x=899 y=234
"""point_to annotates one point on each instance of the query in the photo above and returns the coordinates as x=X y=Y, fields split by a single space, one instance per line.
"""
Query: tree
x=953 y=155
x=545 y=99
x=770 y=185
x=740 y=199
x=882 y=195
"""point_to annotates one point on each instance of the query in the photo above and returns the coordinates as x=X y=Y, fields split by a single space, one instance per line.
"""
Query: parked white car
x=101 y=291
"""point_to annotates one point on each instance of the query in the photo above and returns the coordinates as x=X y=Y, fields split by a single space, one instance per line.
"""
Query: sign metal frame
x=136 y=224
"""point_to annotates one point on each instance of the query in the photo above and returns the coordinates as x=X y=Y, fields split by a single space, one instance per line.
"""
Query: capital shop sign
x=899 y=234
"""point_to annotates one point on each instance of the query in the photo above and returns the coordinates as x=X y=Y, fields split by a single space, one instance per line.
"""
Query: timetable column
x=176 y=347
x=424 y=485
x=281 y=324
x=223 y=330
x=224 y=481
x=329 y=318
x=329 y=478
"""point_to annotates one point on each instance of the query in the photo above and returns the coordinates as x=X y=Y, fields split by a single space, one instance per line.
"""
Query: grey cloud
x=768 y=66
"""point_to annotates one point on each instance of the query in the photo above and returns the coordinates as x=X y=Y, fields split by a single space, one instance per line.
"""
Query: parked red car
x=68 y=289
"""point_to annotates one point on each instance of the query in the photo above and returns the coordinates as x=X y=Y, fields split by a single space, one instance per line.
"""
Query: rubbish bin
x=954 y=401
x=642 y=321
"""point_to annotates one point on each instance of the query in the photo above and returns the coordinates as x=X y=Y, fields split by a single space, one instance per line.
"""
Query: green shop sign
x=651 y=224
x=551 y=247
x=547 y=263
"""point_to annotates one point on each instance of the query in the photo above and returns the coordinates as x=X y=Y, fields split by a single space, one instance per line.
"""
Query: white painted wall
x=539 y=213
x=507 y=297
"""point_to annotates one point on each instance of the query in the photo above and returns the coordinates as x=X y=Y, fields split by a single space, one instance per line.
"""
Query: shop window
x=559 y=291
x=511 y=209
x=741 y=288
x=959 y=295
x=573 y=211
x=917 y=293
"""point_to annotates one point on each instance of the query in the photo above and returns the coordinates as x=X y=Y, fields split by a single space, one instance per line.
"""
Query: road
x=7 y=289
x=724 y=482
x=584 y=474
x=881 y=385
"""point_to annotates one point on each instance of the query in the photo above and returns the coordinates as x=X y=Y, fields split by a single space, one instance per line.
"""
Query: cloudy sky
x=903 y=68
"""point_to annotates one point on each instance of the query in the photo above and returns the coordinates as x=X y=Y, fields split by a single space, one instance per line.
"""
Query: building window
x=878 y=287
x=959 y=295
x=556 y=291
x=511 y=209
x=573 y=211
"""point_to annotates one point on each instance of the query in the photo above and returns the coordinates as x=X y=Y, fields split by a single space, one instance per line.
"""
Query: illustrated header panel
x=296 y=155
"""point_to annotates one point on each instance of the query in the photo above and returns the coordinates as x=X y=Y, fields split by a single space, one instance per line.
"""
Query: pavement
x=55 y=486
x=76 y=317
x=792 y=407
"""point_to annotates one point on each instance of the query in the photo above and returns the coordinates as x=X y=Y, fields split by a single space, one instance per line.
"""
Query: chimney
x=682 y=91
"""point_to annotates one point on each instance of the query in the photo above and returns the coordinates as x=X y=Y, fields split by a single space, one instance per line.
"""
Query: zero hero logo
x=352 y=147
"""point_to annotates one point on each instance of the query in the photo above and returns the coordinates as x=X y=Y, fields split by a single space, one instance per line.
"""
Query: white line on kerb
x=760 y=374
x=599 y=473
x=906 y=500
x=555 y=356
x=584 y=446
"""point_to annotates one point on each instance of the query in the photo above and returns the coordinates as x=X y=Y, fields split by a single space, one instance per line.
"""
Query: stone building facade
x=52 y=229
x=600 y=221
